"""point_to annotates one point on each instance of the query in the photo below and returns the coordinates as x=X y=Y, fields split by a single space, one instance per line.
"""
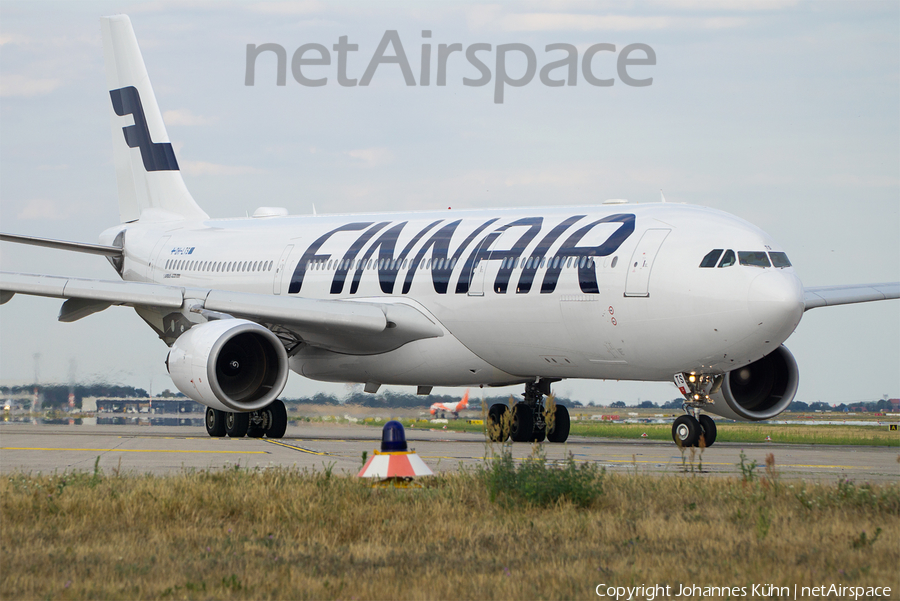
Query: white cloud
x=41 y=208
x=481 y=16
x=22 y=86
x=863 y=181
x=583 y=22
x=185 y=117
x=307 y=7
x=13 y=38
x=732 y=5
x=372 y=157
x=206 y=168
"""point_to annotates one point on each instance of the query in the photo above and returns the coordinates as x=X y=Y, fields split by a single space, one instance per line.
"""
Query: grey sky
x=783 y=113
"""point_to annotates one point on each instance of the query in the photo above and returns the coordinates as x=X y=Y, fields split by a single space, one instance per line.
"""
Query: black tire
x=498 y=431
x=255 y=431
x=522 y=424
x=236 y=424
x=708 y=427
x=560 y=431
x=277 y=419
x=215 y=422
x=539 y=435
x=686 y=431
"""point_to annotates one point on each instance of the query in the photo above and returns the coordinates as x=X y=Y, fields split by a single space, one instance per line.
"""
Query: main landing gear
x=693 y=429
x=270 y=422
x=530 y=420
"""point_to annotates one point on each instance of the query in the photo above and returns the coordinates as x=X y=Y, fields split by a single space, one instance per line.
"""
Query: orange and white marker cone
x=644 y=435
x=395 y=460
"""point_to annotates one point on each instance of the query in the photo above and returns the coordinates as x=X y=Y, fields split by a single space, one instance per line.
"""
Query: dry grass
x=284 y=534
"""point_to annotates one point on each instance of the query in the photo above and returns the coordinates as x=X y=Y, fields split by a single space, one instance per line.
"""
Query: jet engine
x=760 y=390
x=230 y=364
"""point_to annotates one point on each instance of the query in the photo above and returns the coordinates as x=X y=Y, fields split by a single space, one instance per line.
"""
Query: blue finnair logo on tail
x=156 y=156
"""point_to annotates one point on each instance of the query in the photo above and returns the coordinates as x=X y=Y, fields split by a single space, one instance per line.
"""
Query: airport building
x=140 y=405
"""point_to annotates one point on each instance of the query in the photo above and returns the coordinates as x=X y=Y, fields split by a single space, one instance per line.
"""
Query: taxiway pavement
x=46 y=449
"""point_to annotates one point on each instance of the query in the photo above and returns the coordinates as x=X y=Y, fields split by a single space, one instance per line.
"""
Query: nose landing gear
x=693 y=429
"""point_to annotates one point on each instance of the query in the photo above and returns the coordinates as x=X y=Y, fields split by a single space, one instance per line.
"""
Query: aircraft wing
x=354 y=327
x=827 y=296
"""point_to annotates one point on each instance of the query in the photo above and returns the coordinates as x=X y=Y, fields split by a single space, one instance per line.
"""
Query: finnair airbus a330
x=483 y=297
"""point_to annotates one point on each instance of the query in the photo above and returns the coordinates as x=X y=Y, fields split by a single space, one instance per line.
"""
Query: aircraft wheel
x=539 y=435
x=277 y=419
x=498 y=431
x=709 y=430
x=255 y=431
x=236 y=424
x=686 y=431
x=522 y=426
x=560 y=431
x=215 y=422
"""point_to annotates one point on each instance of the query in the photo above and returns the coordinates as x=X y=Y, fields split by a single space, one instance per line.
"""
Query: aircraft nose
x=775 y=303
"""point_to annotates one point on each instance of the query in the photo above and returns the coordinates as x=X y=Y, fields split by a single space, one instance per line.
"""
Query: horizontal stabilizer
x=827 y=296
x=91 y=249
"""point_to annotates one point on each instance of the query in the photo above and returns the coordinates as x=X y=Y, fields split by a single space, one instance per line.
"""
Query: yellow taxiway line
x=293 y=448
x=132 y=450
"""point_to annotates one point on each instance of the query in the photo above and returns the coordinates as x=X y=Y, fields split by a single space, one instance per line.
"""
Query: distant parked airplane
x=453 y=408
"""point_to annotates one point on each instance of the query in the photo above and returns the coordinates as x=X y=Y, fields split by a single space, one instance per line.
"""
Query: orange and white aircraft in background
x=453 y=408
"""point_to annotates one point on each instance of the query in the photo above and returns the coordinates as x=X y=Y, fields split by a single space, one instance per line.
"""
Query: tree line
x=56 y=396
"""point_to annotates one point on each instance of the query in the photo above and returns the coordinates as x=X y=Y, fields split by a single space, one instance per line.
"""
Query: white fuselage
x=606 y=292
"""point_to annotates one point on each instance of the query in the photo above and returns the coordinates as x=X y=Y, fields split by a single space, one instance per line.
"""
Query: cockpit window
x=712 y=258
x=727 y=259
x=753 y=258
x=779 y=259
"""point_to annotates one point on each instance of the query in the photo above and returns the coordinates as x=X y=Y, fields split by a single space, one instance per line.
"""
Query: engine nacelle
x=229 y=364
x=760 y=390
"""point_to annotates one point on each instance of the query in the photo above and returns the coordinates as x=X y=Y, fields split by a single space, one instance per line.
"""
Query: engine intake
x=230 y=364
x=760 y=390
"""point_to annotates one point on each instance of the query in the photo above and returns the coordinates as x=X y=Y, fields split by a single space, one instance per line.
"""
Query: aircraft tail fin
x=146 y=169
x=464 y=403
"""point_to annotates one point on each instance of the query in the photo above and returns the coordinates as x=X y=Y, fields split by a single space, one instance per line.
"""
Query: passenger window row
x=534 y=262
x=218 y=266
x=745 y=257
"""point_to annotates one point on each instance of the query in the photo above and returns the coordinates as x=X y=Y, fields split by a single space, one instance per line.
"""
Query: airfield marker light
x=394 y=465
x=393 y=438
